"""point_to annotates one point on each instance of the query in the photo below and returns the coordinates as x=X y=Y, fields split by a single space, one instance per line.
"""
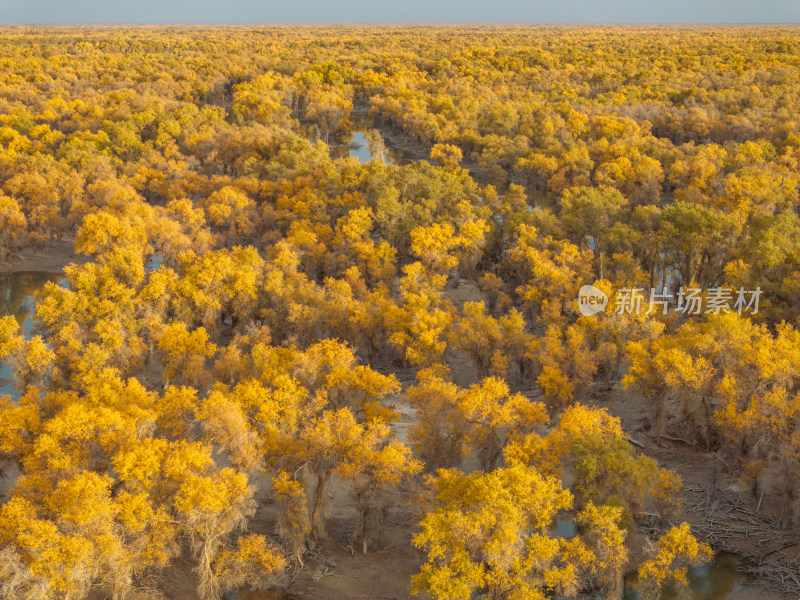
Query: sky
x=397 y=11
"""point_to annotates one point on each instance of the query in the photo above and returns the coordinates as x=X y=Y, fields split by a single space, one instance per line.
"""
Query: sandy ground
x=51 y=260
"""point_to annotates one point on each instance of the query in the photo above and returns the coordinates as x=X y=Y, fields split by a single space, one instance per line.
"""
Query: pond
x=154 y=262
x=355 y=144
x=17 y=290
x=564 y=528
x=714 y=581
x=16 y=298
x=359 y=148
x=717 y=580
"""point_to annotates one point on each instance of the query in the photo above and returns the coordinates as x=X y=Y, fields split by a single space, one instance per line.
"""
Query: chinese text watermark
x=688 y=301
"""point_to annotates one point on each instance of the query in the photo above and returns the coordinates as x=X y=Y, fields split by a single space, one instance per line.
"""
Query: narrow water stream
x=16 y=298
x=17 y=291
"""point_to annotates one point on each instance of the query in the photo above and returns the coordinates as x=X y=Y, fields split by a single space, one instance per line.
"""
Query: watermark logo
x=591 y=300
x=689 y=301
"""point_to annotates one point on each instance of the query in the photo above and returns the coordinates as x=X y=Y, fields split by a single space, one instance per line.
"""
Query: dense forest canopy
x=405 y=336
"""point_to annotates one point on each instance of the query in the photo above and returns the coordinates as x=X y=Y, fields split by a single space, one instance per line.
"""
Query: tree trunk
x=600 y=254
x=121 y=586
x=364 y=530
x=617 y=587
x=317 y=526
x=659 y=417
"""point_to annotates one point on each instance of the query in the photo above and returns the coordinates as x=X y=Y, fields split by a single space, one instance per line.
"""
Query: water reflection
x=16 y=298
x=715 y=581
x=154 y=261
x=564 y=528
x=356 y=145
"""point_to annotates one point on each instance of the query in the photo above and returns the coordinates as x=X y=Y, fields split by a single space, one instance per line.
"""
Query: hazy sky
x=399 y=11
